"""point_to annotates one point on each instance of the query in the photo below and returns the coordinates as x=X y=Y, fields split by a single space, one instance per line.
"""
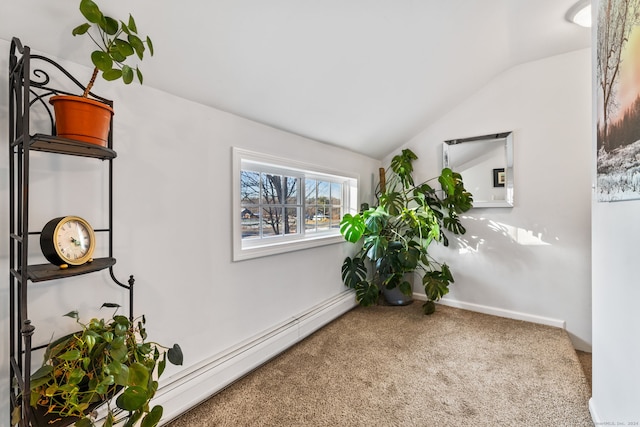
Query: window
x=281 y=205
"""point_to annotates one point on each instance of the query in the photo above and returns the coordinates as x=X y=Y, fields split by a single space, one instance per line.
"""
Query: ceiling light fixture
x=580 y=13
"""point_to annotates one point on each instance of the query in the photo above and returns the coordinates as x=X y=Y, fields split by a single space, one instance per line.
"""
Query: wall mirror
x=486 y=165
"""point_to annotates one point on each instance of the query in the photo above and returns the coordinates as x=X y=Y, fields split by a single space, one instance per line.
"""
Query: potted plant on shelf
x=85 y=119
x=395 y=235
x=105 y=359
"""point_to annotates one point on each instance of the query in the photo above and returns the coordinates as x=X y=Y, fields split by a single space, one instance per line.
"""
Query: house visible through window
x=282 y=205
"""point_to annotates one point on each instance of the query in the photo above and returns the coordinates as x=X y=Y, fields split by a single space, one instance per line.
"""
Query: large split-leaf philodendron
x=395 y=235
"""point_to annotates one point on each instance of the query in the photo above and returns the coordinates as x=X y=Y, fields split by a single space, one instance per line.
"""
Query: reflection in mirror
x=486 y=165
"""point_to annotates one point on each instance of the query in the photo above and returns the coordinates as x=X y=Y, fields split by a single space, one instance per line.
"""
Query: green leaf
x=113 y=74
x=81 y=29
x=153 y=417
x=109 y=25
x=132 y=24
x=377 y=246
x=127 y=74
x=90 y=339
x=101 y=60
x=123 y=48
x=453 y=224
x=352 y=227
x=401 y=165
x=429 y=307
x=76 y=376
x=73 y=354
x=133 y=419
x=375 y=220
x=132 y=398
x=137 y=44
x=144 y=348
x=42 y=372
x=175 y=355
x=73 y=314
x=122 y=320
x=118 y=353
x=91 y=11
x=353 y=271
x=108 y=380
x=409 y=258
x=138 y=375
x=121 y=377
x=150 y=46
x=120 y=330
x=110 y=305
x=447 y=181
x=393 y=202
x=139 y=75
x=367 y=293
x=436 y=284
x=41 y=377
x=162 y=365
x=405 y=288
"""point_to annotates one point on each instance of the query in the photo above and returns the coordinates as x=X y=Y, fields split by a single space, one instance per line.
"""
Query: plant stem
x=85 y=94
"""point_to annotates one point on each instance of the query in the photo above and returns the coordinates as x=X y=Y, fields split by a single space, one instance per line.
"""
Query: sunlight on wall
x=519 y=235
x=471 y=243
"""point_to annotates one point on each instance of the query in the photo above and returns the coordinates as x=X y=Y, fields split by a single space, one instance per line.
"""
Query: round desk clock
x=67 y=240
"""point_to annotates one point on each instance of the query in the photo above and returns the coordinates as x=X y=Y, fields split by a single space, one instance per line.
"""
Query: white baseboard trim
x=185 y=390
x=594 y=417
x=509 y=314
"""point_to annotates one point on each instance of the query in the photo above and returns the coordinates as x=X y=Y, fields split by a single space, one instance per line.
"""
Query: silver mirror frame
x=505 y=142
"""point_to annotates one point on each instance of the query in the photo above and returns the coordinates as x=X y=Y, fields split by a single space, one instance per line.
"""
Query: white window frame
x=254 y=248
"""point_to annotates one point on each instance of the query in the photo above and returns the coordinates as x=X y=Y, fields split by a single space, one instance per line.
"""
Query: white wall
x=531 y=261
x=173 y=232
x=616 y=318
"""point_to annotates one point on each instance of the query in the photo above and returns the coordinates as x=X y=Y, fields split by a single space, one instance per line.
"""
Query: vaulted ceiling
x=366 y=75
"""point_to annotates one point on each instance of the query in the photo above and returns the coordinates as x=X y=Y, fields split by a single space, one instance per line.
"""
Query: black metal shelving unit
x=30 y=86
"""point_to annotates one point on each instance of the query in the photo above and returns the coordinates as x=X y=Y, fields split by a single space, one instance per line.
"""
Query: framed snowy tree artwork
x=618 y=100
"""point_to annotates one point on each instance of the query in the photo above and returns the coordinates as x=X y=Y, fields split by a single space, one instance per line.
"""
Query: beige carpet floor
x=393 y=366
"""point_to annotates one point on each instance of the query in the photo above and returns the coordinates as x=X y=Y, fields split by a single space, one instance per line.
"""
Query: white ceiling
x=366 y=75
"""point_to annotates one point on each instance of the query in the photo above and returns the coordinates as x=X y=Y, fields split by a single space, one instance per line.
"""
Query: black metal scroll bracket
x=128 y=286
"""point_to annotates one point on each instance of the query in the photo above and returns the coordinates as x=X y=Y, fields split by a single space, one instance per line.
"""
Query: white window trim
x=260 y=248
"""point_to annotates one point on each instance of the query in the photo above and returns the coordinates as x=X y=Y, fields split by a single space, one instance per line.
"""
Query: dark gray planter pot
x=395 y=296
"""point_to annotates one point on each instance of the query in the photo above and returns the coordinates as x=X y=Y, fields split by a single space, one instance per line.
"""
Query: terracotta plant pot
x=82 y=119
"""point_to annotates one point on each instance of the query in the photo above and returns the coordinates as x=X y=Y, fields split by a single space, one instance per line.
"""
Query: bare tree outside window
x=269 y=204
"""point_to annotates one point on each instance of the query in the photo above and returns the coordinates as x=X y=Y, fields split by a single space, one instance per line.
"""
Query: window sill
x=241 y=254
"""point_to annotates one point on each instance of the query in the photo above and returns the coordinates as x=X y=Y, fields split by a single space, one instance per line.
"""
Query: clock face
x=67 y=240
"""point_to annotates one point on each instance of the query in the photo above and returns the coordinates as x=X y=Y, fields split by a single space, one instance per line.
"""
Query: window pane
x=271 y=221
x=322 y=218
x=335 y=217
x=291 y=186
x=271 y=189
x=291 y=221
x=310 y=191
x=336 y=194
x=309 y=221
x=249 y=187
x=250 y=223
x=323 y=192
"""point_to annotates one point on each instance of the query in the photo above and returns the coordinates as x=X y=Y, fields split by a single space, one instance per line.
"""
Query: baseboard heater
x=187 y=389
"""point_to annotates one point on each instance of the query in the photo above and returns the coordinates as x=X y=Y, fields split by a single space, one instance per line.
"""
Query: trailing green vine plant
x=106 y=359
x=395 y=235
